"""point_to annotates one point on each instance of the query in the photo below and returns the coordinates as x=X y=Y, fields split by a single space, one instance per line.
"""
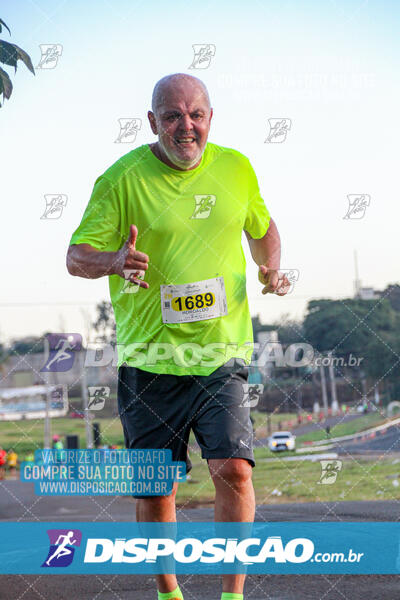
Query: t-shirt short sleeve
x=258 y=217
x=102 y=222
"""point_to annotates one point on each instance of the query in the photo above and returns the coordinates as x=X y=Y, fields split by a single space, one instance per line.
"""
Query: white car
x=282 y=440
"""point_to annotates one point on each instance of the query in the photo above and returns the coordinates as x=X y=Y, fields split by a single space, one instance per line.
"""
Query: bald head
x=181 y=117
x=173 y=84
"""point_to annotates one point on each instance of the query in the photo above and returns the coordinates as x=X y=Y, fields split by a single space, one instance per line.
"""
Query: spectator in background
x=57 y=445
x=12 y=461
x=3 y=456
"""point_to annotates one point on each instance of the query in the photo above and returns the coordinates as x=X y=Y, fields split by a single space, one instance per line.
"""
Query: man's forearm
x=267 y=250
x=85 y=261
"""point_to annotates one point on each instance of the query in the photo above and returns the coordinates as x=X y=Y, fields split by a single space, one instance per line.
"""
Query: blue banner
x=196 y=547
x=103 y=472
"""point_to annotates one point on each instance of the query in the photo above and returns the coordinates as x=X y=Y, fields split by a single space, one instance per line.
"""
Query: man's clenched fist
x=131 y=260
x=274 y=281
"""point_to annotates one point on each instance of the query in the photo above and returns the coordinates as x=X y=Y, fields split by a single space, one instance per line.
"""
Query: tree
x=368 y=329
x=347 y=326
x=382 y=356
x=392 y=293
x=28 y=345
x=10 y=54
x=289 y=330
x=105 y=322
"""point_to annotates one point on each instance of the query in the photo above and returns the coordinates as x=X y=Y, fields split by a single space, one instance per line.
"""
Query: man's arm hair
x=266 y=250
x=85 y=261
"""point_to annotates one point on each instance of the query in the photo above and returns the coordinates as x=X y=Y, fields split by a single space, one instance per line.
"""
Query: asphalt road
x=17 y=502
x=385 y=441
x=309 y=427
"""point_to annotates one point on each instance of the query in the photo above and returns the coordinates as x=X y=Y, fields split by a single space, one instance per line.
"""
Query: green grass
x=27 y=436
x=297 y=482
x=260 y=418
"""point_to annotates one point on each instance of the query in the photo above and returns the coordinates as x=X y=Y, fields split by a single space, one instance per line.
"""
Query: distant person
x=58 y=446
x=12 y=461
x=3 y=459
x=57 y=443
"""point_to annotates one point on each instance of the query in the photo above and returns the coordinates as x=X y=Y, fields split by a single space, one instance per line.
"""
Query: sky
x=330 y=68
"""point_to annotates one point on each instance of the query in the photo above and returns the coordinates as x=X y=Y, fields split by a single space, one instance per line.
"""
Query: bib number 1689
x=193 y=302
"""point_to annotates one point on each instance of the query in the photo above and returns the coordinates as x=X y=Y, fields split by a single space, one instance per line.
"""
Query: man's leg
x=234 y=502
x=160 y=509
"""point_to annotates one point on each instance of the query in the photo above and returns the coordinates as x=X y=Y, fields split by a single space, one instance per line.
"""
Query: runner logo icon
x=60 y=351
x=62 y=547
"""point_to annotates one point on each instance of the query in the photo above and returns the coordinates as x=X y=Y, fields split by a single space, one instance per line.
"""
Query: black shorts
x=158 y=411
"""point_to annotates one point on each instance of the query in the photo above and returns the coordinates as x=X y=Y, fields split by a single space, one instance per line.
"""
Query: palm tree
x=10 y=54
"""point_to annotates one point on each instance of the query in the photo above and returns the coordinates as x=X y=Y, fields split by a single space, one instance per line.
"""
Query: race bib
x=193 y=301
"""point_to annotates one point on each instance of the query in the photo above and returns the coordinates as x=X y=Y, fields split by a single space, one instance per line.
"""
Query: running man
x=62 y=352
x=62 y=549
x=186 y=336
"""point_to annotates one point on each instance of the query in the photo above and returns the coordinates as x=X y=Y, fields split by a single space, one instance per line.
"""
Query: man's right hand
x=130 y=262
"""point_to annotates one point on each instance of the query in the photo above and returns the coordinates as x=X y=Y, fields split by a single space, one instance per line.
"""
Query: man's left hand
x=274 y=281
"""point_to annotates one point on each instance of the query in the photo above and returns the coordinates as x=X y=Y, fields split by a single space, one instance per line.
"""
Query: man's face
x=182 y=122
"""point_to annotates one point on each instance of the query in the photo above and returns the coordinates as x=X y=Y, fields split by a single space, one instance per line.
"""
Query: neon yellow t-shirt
x=190 y=225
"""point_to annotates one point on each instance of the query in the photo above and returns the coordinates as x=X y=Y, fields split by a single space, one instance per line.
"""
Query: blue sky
x=330 y=67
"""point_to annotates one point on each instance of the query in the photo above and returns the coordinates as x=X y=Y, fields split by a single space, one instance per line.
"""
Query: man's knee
x=234 y=472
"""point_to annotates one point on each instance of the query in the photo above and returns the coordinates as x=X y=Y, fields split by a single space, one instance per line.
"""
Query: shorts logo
x=252 y=393
x=60 y=351
x=203 y=205
x=61 y=551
